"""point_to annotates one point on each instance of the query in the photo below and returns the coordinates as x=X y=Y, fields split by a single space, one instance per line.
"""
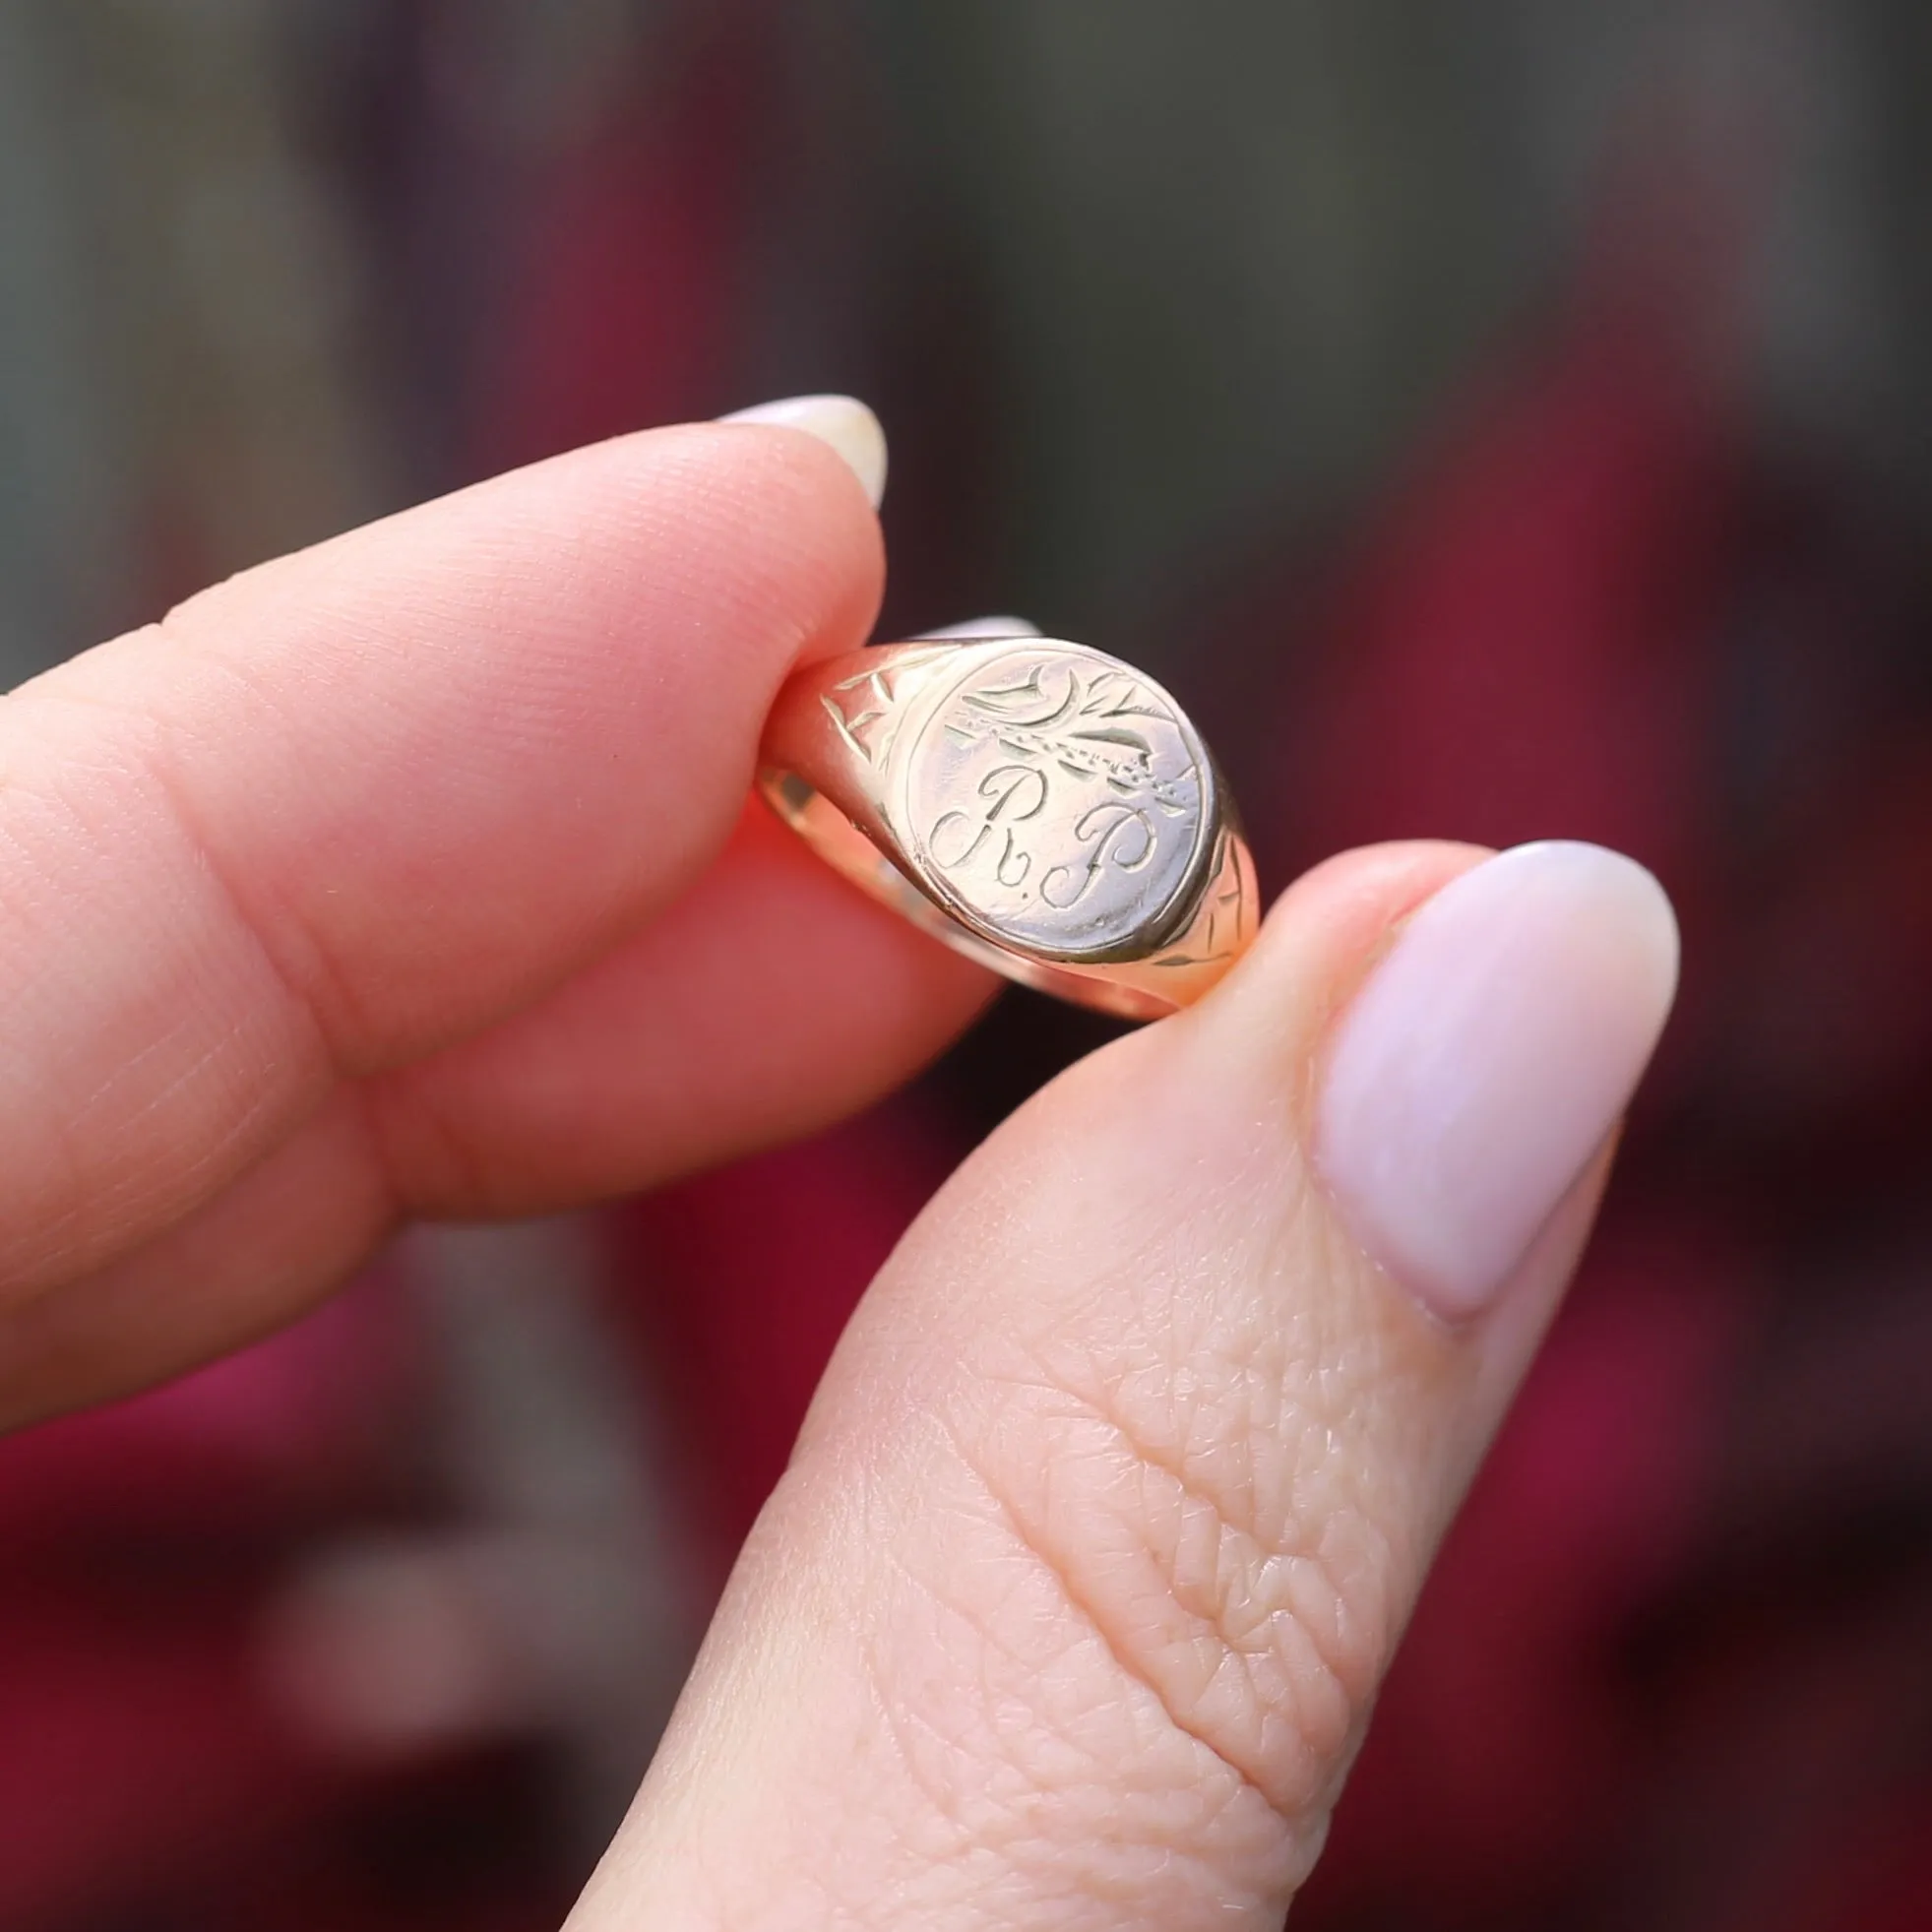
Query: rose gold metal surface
x=1036 y=805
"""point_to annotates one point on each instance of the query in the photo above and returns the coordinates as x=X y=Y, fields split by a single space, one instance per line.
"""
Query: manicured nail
x=1487 y=1058
x=985 y=627
x=843 y=422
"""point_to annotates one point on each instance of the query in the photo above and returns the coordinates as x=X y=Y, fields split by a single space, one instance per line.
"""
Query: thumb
x=1072 y=1604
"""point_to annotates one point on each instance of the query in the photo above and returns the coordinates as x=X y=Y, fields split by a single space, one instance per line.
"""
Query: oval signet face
x=1060 y=801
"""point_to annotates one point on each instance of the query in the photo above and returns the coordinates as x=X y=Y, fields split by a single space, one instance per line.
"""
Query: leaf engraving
x=869 y=719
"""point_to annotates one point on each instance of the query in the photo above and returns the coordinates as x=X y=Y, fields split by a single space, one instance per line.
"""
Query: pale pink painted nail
x=1487 y=1058
x=985 y=627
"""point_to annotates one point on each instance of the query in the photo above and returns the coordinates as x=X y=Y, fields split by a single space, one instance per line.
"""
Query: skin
x=412 y=876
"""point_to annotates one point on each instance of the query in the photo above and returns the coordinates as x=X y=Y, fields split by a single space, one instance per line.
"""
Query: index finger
x=361 y=802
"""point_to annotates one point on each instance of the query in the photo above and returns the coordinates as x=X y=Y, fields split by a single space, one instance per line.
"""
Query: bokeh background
x=1495 y=420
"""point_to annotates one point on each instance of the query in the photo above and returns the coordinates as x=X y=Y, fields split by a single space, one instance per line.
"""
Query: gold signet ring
x=1036 y=805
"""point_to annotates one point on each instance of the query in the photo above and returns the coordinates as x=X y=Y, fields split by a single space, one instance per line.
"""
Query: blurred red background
x=1494 y=428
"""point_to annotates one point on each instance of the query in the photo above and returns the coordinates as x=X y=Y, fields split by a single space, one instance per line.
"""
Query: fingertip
x=1323 y=935
x=843 y=423
x=371 y=800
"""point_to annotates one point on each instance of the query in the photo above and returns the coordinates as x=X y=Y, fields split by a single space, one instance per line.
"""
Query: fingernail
x=843 y=422
x=1486 y=1059
x=984 y=627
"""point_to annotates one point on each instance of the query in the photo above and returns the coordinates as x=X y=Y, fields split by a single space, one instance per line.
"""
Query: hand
x=412 y=875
